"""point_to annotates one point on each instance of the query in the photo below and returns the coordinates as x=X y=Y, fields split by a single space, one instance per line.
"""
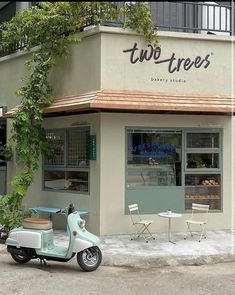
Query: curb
x=161 y=261
x=151 y=261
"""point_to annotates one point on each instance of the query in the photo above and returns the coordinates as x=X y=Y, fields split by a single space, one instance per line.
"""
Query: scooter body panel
x=56 y=251
x=80 y=245
x=47 y=240
x=21 y=237
x=80 y=238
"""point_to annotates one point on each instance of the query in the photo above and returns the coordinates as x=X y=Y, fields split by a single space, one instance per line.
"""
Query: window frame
x=152 y=130
x=204 y=171
x=202 y=151
x=66 y=167
x=135 y=193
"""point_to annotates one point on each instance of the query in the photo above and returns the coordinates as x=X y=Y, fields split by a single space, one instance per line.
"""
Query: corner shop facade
x=161 y=123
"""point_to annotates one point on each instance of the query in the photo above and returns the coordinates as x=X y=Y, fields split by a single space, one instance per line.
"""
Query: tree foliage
x=51 y=27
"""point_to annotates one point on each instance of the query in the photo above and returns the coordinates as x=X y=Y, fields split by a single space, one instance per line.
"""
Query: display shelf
x=203 y=185
x=202 y=197
x=203 y=188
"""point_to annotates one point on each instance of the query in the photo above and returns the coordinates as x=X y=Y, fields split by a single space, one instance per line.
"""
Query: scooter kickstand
x=43 y=262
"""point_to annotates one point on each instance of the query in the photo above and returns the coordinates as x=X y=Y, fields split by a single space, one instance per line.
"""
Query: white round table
x=169 y=216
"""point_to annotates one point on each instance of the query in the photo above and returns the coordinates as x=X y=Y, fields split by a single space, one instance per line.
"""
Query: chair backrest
x=202 y=208
x=134 y=213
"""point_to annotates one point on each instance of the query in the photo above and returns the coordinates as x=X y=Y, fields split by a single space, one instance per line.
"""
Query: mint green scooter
x=34 y=239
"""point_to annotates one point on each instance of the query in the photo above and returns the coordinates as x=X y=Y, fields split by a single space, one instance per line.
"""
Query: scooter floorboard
x=56 y=251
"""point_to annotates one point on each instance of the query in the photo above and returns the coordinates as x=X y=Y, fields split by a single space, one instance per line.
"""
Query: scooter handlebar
x=67 y=210
x=62 y=211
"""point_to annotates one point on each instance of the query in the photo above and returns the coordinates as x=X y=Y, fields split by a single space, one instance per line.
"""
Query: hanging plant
x=51 y=27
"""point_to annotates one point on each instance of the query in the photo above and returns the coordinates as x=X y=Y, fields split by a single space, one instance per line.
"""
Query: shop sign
x=157 y=150
x=173 y=62
x=92 y=147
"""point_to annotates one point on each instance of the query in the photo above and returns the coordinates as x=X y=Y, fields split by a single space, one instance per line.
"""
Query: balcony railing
x=191 y=17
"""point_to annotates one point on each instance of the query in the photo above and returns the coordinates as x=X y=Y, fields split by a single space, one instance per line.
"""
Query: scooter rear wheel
x=19 y=258
x=89 y=259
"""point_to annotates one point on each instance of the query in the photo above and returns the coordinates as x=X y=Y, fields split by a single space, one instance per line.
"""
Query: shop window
x=203 y=188
x=203 y=154
x=202 y=160
x=182 y=164
x=56 y=139
x=202 y=140
x=154 y=158
x=67 y=166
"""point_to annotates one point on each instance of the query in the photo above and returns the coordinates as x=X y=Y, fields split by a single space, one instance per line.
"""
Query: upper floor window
x=7 y=11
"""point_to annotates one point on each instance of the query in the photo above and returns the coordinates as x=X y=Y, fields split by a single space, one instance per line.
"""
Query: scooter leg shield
x=80 y=245
x=89 y=237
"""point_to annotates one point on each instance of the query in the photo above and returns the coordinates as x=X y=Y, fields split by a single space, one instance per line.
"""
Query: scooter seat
x=36 y=223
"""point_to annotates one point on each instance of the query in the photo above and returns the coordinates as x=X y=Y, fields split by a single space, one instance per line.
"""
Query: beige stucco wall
x=77 y=73
x=112 y=179
x=36 y=196
x=98 y=62
x=119 y=73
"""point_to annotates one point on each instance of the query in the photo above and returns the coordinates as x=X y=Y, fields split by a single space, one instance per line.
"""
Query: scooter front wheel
x=19 y=258
x=89 y=259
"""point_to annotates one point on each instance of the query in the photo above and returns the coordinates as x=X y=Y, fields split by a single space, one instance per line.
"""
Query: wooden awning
x=105 y=100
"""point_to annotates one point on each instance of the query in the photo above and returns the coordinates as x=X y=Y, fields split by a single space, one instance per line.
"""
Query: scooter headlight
x=82 y=223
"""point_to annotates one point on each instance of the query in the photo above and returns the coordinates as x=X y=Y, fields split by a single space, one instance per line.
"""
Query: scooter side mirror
x=71 y=208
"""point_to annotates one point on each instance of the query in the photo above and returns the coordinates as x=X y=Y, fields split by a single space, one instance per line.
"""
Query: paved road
x=67 y=278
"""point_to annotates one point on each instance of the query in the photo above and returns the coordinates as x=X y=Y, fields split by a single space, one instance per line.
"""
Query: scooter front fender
x=80 y=245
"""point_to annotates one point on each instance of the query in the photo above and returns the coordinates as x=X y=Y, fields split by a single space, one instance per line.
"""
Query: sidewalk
x=119 y=250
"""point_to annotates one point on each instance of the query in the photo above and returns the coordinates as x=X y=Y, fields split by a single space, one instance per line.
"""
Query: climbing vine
x=50 y=28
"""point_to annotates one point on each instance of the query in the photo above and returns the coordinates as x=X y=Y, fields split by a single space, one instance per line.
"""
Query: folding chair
x=141 y=226
x=196 y=220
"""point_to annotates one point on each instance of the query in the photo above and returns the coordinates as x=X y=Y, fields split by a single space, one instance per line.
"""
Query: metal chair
x=140 y=225
x=198 y=220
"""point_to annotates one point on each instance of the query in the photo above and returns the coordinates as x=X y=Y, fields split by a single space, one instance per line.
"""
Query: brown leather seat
x=36 y=223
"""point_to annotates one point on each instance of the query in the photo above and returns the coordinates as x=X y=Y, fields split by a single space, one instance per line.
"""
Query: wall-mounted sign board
x=92 y=147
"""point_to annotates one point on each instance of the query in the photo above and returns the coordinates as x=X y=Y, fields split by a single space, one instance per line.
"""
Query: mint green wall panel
x=152 y=200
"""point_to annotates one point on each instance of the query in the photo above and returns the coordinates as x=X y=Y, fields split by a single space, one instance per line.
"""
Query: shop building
x=129 y=125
